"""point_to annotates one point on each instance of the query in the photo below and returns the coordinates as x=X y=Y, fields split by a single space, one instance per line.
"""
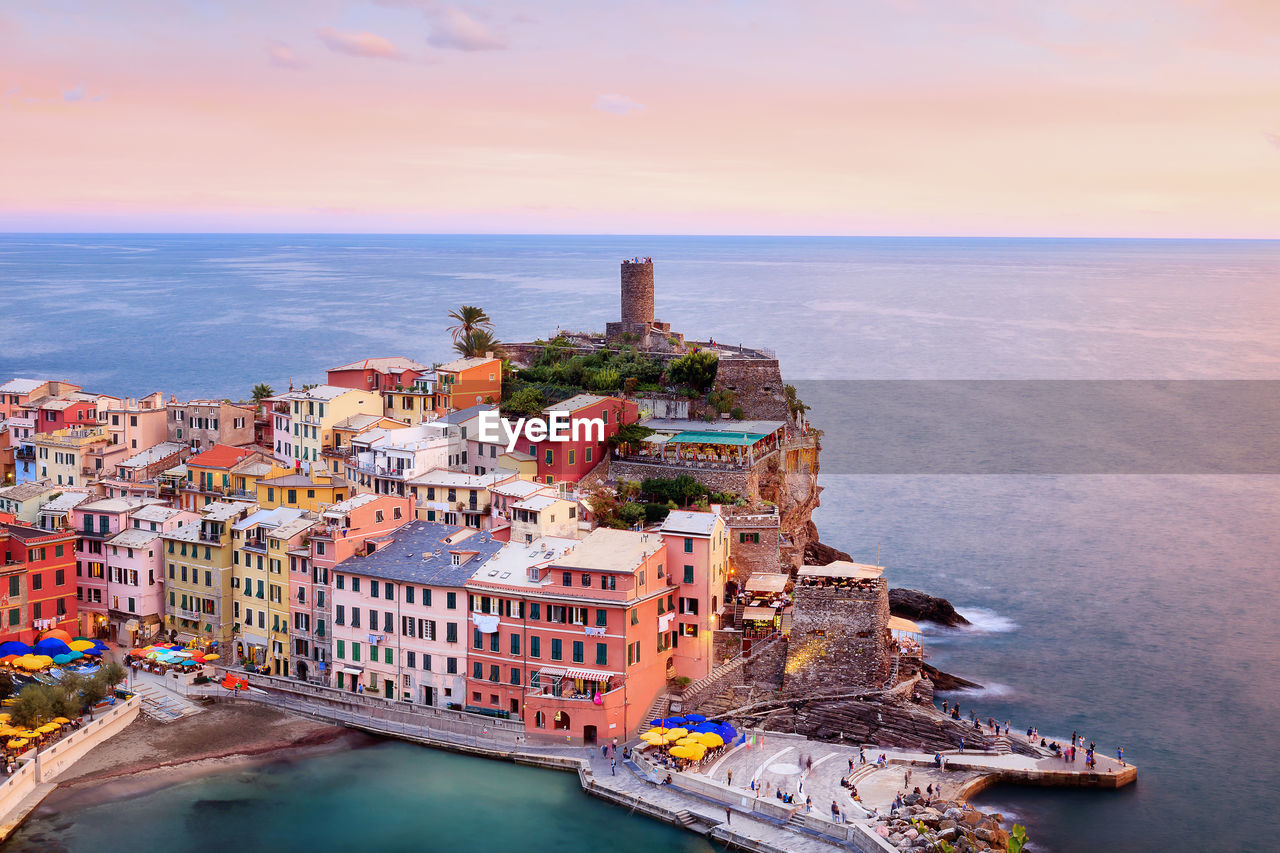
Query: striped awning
x=588 y=674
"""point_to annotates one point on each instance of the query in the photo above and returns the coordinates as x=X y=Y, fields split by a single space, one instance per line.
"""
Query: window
x=451 y=632
x=373 y=589
x=339 y=614
x=355 y=651
x=688 y=630
x=535 y=647
x=515 y=645
x=588 y=460
x=688 y=545
x=602 y=618
x=450 y=600
x=633 y=653
x=586 y=580
x=355 y=617
x=566 y=578
x=689 y=605
x=451 y=666
x=747 y=539
x=477 y=639
x=635 y=616
x=493 y=673
x=688 y=574
x=37 y=581
x=602 y=654
x=578 y=615
x=515 y=675
x=556 y=653
x=577 y=651
x=494 y=641
x=608 y=582
x=571 y=454
x=556 y=613
x=535 y=610
x=477 y=669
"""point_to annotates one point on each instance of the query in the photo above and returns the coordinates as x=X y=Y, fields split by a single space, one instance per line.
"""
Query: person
x=946 y=706
x=808 y=805
x=906 y=777
x=1120 y=754
x=862 y=755
x=667 y=781
x=729 y=775
x=613 y=767
x=835 y=812
x=962 y=744
x=728 y=815
x=850 y=765
x=937 y=760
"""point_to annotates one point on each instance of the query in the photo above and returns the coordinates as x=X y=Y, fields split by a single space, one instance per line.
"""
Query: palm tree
x=261 y=391
x=471 y=318
x=476 y=343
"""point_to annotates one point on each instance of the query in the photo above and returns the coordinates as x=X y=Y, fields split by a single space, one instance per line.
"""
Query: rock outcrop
x=921 y=607
x=818 y=554
x=945 y=681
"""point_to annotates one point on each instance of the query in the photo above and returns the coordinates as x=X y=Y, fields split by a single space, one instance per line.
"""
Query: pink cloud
x=281 y=55
x=454 y=29
x=365 y=44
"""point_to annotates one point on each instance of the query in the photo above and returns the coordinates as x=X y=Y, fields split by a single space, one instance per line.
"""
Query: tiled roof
x=388 y=364
x=218 y=456
x=419 y=553
x=695 y=523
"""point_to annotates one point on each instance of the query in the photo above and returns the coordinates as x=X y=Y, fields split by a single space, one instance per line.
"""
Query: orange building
x=468 y=381
x=37 y=581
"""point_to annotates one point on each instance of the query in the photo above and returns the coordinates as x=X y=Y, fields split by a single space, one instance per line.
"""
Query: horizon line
x=629 y=235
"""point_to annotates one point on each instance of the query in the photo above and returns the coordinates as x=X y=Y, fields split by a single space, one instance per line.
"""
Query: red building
x=573 y=637
x=37 y=581
x=377 y=374
x=66 y=412
x=586 y=445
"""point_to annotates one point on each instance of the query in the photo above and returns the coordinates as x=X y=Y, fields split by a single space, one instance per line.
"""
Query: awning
x=588 y=674
x=350 y=670
x=551 y=672
x=736 y=439
x=656 y=439
x=759 y=614
x=767 y=582
x=842 y=569
x=906 y=626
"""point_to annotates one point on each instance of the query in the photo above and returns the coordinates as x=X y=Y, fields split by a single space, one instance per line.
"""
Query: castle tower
x=637 y=293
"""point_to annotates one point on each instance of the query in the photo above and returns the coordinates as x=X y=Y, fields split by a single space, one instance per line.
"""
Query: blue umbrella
x=52 y=647
x=695 y=718
x=673 y=722
x=656 y=722
x=13 y=647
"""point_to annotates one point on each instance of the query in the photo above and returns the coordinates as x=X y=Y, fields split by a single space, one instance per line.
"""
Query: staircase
x=797 y=819
x=1000 y=745
x=657 y=711
x=686 y=819
x=893 y=673
x=860 y=772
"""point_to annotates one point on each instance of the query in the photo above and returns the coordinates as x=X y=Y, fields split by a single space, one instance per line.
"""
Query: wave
x=990 y=690
x=983 y=621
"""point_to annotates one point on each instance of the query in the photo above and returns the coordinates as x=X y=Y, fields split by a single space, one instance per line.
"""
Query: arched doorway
x=302 y=670
x=561 y=721
x=589 y=735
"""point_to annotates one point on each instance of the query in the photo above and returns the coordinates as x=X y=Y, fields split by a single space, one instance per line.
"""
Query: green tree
x=629 y=436
x=261 y=391
x=631 y=514
x=526 y=402
x=469 y=319
x=695 y=369
x=113 y=673
x=476 y=343
x=33 y=707
x=794 y=403
x=94 y=691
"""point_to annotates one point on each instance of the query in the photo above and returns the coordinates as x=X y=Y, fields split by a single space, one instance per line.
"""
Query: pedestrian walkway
x=159 y=700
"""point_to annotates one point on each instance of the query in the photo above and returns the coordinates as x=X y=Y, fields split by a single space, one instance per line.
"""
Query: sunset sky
x=995 y=117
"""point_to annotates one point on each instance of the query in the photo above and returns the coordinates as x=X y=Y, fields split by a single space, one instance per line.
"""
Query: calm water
x=1135 y=609
x=393 y=797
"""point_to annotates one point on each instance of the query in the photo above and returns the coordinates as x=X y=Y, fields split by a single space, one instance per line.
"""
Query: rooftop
x=460 y=479
x=464 y=415
x=842 y=569
x=65 y=502
x=386 y=364
x=320 y=392
x=419 y=552
x=676 y=425
x=606 y=549
x=133 y=537
x=460 y=364
x=26 y=532
x=156 y=512
x=358 y=422
x=574 y=403
x=292 y=528
x=26 y=491
x=510 y=566
x=124 y=503
x=693 y=523
x=218 y=456
x=304 y=481
x=269 y=517
x=518 y=488
x=341 y=508
x=536 y=503
x=223 y=510
x=21 y=386
x=152 y=455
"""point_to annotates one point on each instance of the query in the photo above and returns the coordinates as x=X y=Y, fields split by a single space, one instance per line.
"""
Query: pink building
x=347 y=528
x=94 y=522
x=377 y=374
x=400 y=614
x=135 y=573
x=698 y=548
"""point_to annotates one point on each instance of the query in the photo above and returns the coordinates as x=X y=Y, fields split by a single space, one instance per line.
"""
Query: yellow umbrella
x=686 y=740
x=678 y=732
x=710 y=739
x=211 y=657
x=29 y=733
x=4 y=718
x=81 y=645
x=17 y=743
x=61 y=720
x=693 y=751
x=652 y=737
x=49 y=727
x=659 y=729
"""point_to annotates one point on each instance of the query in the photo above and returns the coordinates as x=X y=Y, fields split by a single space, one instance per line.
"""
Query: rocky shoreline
x=954 y=822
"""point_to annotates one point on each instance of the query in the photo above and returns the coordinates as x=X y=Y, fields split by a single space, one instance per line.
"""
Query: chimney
x=488 y=354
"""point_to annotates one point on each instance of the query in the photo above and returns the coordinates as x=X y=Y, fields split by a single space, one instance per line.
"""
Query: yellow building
x=261 y=542
x=315 y=491
x=198 y=574
x=315 y=412
x=335 y=457
x=70 y=457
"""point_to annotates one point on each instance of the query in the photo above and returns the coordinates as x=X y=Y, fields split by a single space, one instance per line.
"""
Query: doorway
x=589 y=735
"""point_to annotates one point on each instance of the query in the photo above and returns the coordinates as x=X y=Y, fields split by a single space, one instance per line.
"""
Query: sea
x=1136 y=607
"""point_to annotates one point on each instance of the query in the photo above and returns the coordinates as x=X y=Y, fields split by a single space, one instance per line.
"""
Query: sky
x=933 y=117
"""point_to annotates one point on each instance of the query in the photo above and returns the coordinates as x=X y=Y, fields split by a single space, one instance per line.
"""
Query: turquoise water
x=1135 y=609
x=391 y=796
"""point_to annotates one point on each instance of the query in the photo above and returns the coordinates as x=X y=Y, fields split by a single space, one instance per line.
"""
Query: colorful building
x=95 y=522
x=383 y=461
x=698 y=550
x=137 y=474
x=209 y=475
x=400 y=613
x=336 y=456
x=37 y=591
x=202 y=424
x=378 y=374
x=313 y=491
x=455 y=498
x=70 y=457
x=263 y=543
x=24 y=500
x=135 y=573
x=581 y=645
x=464 y=382
x=310 y=418
x=585 y=445
x=347 y=528
x=198 y=574
x=16 y=395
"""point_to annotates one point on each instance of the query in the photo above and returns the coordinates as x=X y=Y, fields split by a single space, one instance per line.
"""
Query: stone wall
x=757 y=387
x=725 y=643
x=767 y=669
x=740 y=481
x=748 y=558
x=637 y=293
x=838 y=637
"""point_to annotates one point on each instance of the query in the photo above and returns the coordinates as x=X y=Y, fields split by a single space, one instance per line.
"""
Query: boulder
x=920 y=606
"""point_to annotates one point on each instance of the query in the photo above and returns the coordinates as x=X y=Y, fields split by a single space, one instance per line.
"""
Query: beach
x=150 y=754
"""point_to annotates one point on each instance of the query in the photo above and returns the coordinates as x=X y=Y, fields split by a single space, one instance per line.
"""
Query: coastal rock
x=818 y=554
x=918 y=606
x=944 y=681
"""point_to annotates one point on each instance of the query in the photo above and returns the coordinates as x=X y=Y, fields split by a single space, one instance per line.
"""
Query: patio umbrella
x=76 y=655
x=656 y=722
x=13 y=647
x=709 y=739
x=56 y=634
x=81 y=645
x=672 y=722
x=60 y=659
x=211 y=657
x=48 y=728
x=687 y=740
x=693 y=751
x=29 y=733
x=16 y=743
x=62 y=721
x=52 y=647
x=695 y=718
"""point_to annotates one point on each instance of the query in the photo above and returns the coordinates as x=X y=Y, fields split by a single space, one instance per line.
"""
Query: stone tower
x=839 y=639
x=637 y=294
